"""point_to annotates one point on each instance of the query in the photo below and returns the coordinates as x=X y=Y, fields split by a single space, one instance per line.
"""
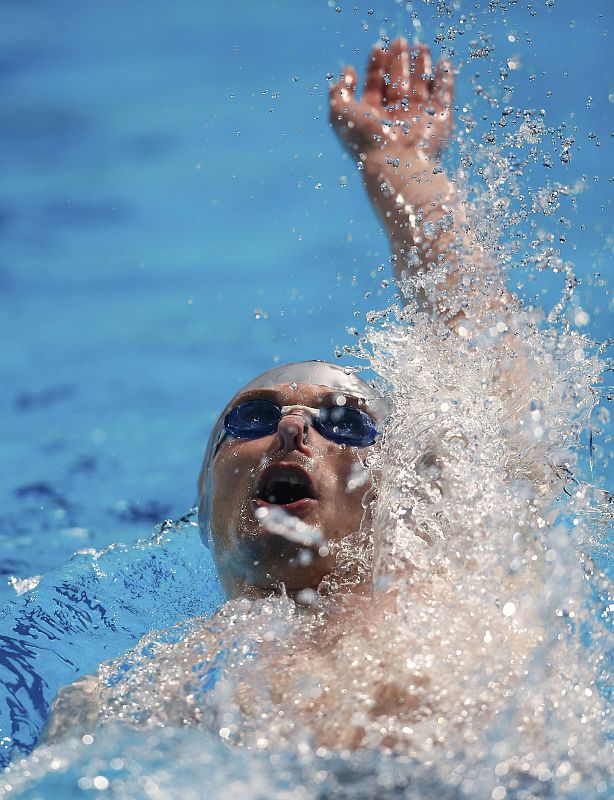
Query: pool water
x=176 y=217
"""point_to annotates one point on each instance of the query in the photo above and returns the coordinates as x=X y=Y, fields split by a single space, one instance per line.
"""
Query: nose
x=293 y=432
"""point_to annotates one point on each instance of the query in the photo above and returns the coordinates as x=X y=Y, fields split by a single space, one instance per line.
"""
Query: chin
x=271 y=559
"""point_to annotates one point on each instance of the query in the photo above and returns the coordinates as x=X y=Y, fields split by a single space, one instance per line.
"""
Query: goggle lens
x=253 y=419
x=346 y=425
x=341 y=424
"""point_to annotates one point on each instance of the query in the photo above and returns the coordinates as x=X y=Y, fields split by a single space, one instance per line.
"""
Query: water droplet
x=602 y=415
x=101 y=783
x=307 y=597
x=578 y=354
x=581 y=318
x=509 y=609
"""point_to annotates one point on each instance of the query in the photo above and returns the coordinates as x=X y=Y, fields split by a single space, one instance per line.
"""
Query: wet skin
x=245 y=476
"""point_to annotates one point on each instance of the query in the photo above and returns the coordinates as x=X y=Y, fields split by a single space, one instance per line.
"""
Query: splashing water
x=478 y=669
x=481 y=667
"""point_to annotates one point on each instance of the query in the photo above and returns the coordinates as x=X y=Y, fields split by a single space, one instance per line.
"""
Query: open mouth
x=285 y=485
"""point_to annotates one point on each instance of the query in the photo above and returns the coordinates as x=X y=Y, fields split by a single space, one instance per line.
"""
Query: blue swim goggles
x=345 y=424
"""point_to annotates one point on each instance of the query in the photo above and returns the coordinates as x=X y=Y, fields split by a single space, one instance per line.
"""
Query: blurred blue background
x=176 y=216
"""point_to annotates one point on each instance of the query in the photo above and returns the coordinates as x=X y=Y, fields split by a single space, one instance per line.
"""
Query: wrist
x=416 y=177
x=397 y=163
x=411 y=188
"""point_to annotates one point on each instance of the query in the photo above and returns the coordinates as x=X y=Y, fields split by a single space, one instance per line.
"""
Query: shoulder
x=73 y=711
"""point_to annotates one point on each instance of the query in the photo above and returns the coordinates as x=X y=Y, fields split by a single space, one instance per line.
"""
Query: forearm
x=438 y=262
x=406 y=196
x=436 y=258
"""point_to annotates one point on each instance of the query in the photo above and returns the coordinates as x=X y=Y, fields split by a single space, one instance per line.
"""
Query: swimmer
x=299 y=438
x=287 y=485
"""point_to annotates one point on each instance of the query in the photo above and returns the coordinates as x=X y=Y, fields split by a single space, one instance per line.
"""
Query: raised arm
x=396 y=133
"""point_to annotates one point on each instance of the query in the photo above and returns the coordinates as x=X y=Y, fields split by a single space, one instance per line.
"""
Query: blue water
x=173 y=222
x=93 y=608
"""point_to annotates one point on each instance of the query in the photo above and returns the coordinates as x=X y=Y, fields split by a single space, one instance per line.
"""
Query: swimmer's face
x=296 y=469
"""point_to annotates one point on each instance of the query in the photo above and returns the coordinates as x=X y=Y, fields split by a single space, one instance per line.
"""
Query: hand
x=403 y=109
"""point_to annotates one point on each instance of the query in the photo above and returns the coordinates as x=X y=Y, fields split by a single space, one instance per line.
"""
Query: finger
x=442 y=89
x=373 y=92
x=342 y=93
x=442 y=97
x=420 y=67
x=398 y=68
x=350 y=79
